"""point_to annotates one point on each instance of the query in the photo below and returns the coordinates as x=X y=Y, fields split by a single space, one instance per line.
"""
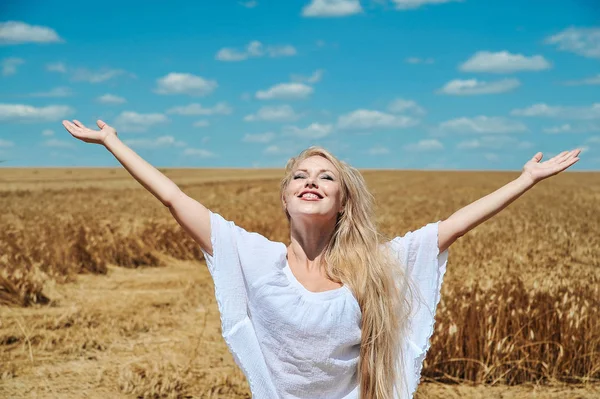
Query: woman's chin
x=315 y=214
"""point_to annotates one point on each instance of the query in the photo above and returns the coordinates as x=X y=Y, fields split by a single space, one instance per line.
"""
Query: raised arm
x=467 y=218
x=189 y=213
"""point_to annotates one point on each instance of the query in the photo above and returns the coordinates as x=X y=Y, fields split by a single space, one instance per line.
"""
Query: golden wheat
x=520 y=301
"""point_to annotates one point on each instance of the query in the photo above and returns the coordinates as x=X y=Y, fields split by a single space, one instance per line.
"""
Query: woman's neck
x=308 y=242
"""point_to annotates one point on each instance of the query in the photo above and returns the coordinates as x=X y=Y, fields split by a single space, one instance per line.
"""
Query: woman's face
x=314 y=190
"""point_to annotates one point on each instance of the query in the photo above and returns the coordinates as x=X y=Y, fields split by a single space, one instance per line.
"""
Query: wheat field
x=102 y=294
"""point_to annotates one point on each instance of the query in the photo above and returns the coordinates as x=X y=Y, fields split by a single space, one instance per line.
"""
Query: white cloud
x=85 y=75
x=400 y=105
x=248 y=4
x=368 y=119
x=331 y=8
x=491 y=157
x=417 y=60
x=594 y=80
x=259 y=137
x=593 y=140
x=460 y=87
x=581 y=41
x=286 y=50
x=198 y=152
x=111 y=99
x=47 y=132
x=28 y=113
x=584 y=148
x=568 y=128
x=201 y=123
x=221 y=108
x=482 y=124
x=490 y=142
x=9 y=65
x=424 y=145
x=504 y=62
x=468 y=145
x=277 y=150
x=412 y=4
x=185 y=83
x=255 y=49
x=314 y=78
x=280 y=113
x=312 y=131
x=559 y=111
x=6 y=143
x=559 y=129
x=56 y=143
x=16 y=32
x=378 y=150
x=158 y=142
x=129 y=121
x=56 y=67
x=285 y=91
x=56 y=92
x=525 y=145
x=230 y=54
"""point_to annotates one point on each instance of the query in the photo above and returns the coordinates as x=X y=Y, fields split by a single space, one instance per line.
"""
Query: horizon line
x=283 y=167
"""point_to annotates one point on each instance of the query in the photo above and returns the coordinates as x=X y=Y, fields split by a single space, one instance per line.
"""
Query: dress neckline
x=328 y=294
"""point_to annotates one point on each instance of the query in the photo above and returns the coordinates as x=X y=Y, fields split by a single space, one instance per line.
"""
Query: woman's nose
x=310 y=182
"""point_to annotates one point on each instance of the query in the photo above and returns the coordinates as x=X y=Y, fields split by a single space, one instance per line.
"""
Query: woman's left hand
x=537 y=171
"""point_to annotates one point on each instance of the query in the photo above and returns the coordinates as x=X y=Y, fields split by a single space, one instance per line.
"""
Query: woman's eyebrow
x=322 y=170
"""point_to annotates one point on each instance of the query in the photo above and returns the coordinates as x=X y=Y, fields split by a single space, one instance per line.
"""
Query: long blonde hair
x=355 y=257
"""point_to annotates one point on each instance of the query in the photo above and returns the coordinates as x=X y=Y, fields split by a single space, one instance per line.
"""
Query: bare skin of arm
x=472 y=215
x=189 y=213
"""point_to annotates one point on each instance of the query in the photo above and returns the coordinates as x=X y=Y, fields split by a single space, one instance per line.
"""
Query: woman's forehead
x=315 y=162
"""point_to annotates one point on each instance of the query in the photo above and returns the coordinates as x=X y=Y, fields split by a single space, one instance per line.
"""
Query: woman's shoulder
x=242 y=234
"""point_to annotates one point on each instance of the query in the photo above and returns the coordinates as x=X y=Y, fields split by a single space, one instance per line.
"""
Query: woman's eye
x=302 y=177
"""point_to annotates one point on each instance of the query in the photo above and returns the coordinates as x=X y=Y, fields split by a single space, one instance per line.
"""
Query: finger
x=561 y=157
x=70 y=126
x=568 y=156
x=101 y=124
x=571 y=155
x=79 y=124
x=537 y=157
x=567 y=164
x=557 y=157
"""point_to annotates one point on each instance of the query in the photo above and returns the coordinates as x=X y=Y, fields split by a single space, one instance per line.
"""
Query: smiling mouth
x=310 y=197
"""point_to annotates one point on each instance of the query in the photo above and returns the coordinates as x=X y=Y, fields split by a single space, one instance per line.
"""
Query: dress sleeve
x=419 y=252
x=226 y=271
x=239 y=259
x=234 y=264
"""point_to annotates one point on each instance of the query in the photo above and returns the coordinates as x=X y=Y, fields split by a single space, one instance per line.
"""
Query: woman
x=341 y=312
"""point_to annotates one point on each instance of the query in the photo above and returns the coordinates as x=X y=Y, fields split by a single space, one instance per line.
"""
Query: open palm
x=78 y=130
x=537 y=170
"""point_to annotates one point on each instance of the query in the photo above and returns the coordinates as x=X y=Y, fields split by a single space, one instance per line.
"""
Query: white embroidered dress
x=294 y=343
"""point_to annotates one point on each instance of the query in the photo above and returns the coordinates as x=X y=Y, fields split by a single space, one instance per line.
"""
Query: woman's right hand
x=78 y=130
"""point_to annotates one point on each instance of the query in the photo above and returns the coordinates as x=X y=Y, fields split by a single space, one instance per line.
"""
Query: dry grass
x=520 y=301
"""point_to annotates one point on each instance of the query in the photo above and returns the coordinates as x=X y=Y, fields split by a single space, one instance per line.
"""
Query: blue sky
x=403 y=84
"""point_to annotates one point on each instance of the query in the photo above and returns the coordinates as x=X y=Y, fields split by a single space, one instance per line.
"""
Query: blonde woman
x=341 y=312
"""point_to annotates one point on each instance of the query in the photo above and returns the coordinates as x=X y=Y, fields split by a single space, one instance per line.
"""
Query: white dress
x=294 y=343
